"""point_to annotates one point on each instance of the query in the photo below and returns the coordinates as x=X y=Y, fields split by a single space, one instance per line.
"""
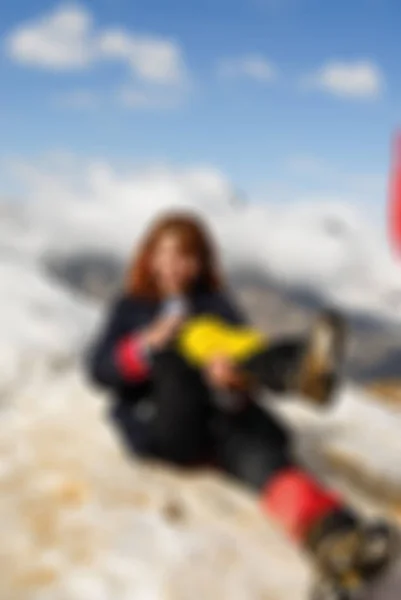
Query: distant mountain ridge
x=282 y=274
x=374 y=352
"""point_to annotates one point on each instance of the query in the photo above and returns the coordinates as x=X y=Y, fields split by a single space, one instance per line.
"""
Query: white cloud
x=324 y=244
x=363 y=189
x=152 y=59
x=252 y=66
x=359 y=80
x=67 y=39
x=60 y=40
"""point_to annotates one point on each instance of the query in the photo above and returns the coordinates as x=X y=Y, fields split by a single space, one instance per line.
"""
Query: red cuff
x=298 y=502
x=131 y=361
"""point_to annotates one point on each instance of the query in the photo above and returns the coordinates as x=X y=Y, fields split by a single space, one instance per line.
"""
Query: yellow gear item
x=203 y=337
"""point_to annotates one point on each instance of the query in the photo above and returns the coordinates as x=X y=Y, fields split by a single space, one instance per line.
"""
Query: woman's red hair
x=194 y=238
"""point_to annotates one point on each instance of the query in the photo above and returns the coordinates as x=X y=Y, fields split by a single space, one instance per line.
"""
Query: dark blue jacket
x=131 y=314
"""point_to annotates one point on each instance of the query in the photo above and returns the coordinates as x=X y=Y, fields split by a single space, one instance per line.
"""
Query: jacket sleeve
x=116 y=357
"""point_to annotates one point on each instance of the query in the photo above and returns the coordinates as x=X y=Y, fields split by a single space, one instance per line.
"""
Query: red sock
x=297 y=501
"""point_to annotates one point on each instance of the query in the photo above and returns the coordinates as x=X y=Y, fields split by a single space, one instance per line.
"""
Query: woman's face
x=174 y=268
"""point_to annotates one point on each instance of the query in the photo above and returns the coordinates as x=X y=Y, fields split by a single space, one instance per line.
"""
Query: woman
x=199 y=413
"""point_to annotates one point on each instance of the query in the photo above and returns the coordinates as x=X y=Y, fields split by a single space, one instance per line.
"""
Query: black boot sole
x=379 y=548
x=323 y=359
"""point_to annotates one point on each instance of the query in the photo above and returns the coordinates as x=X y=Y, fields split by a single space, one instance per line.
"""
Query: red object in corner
x=394 y=213
x=297 y=502
x=131 y=361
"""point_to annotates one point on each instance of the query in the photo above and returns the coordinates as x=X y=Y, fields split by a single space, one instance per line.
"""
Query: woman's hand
x=162 y=331
x=222 y=373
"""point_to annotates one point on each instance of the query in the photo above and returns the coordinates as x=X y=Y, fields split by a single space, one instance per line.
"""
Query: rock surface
x=82 y=521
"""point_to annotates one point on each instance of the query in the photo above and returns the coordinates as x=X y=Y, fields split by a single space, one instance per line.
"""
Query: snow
x=82 y=521
x=357 y=428
x=71 y=206
x=40 y=320
x=332 y=248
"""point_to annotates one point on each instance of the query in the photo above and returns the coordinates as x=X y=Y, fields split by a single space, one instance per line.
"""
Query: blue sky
x=275 y=93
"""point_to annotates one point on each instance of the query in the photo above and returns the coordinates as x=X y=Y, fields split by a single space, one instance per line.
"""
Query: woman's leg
x=179 y=429
x=256 y=449
x=274 y=367
x=252 y=446
x=310 y=366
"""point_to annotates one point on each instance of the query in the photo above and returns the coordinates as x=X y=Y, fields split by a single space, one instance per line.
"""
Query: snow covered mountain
x=67 y=243
x=77 y=207
x=79 y=519
x=41 y=320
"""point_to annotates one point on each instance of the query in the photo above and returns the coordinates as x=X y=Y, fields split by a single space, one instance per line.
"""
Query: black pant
x=188 y=428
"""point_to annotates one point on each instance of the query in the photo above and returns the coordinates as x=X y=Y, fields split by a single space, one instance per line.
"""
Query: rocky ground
x=80 y=520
